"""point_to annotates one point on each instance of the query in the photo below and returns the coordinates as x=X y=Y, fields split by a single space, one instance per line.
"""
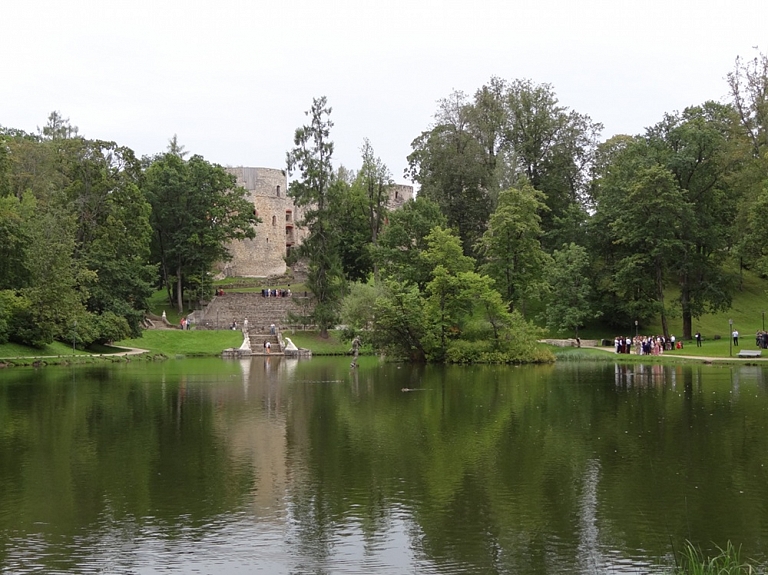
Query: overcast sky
x=232 y=78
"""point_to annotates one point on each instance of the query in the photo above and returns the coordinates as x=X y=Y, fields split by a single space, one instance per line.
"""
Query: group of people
x=183 y=323
x=276 y=292
x=761 y=339
x=646 y=345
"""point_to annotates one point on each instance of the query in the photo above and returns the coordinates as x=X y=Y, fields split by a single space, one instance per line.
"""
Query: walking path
x=126 y=351
x=699 y=357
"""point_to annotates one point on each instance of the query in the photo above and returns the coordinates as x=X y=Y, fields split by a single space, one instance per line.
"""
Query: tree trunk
x=179 y=295
x=660 y=290
x=685 y=303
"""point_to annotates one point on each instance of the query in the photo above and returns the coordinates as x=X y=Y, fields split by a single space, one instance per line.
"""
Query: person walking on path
x=736 y=337
x=698 y=339
x=272 y=329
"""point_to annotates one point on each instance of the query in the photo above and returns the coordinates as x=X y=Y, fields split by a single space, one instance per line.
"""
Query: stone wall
x=398 y=195
x=264 y=256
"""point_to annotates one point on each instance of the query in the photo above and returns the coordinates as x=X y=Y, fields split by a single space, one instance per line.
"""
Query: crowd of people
x=646 y=345
x=276 y=292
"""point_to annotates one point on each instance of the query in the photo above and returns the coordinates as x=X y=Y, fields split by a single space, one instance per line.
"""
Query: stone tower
x=278 y=233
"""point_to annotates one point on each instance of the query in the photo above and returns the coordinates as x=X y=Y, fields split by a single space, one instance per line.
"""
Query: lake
x=271 y=465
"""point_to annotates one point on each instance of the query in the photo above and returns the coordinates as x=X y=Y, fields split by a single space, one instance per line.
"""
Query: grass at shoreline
x=200 y=343
x=174 y=342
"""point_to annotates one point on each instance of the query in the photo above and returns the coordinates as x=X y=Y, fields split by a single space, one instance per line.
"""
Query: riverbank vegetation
x=693 y=561
x=526 y=220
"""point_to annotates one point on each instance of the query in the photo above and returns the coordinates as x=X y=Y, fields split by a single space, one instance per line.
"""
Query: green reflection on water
x=481 y=469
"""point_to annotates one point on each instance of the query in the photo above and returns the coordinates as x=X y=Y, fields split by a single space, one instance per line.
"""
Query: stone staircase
x=261 y=313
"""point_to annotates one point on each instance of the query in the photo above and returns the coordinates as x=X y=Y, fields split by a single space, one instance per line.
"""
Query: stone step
x=260 y=311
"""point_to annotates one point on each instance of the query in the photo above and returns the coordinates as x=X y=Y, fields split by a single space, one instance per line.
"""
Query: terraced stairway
x=261 y=312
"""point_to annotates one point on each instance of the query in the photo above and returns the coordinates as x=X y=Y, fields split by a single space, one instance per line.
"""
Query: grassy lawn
x=319 y=346
x=749 y=301
x=717 y=347
x=11 y=350
x=172 y=342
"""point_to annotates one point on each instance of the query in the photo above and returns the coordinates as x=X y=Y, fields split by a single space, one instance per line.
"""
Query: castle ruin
x=278 y=233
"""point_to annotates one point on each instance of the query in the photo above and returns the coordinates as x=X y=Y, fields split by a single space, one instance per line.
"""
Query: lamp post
x=635 y=329
x=730 y=338
x=74 y=337
x=763 y=320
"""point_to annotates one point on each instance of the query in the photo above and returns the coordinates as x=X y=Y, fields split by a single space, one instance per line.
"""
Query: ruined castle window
x=274 y=220
x=278 y=191
x=288 y=216
x=396 y=192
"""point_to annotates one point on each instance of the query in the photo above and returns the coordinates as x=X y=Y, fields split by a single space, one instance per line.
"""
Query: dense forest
x=523 y=214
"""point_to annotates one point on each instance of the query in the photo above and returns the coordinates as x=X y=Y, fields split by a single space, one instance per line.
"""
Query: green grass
x=749 y=301
x=717 y=348
x=319 y=346
x=173 y=342
x=11 y=350
x=727 y=562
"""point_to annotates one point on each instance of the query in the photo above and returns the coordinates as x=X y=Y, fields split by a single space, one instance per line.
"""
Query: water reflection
x=300 y=466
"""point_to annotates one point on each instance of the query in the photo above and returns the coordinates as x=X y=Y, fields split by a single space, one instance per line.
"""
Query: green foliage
x=508 y=131
x=14 y=239
x=450 y=165
x=314 y=190
x=197 y=208
x=569 y=302
x=511 y=247
x=753 y=243
x=728 y=561
x=374 y=180
x=358 y=305
x=111 y=327
x=348 y=205
x=458 y=316
x=404 y=239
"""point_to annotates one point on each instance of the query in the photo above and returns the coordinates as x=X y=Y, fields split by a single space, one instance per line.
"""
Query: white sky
x=232 y=78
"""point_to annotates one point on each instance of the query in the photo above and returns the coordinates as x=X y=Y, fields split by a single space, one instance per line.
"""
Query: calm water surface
x=283 y=466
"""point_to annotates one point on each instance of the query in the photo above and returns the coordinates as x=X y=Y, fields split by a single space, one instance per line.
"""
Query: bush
x=111 y=327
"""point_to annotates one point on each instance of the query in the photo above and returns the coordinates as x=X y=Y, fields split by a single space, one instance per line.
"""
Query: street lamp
x=635 y=329
x=74 y=337
x=763 y=320
x=730 y=338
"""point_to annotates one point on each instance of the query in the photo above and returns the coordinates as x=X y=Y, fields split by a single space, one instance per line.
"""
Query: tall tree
x=197 y=209
x=375 y=180
x=569 y=303
x=113 y=231
x=511 y=246
x=405 y=238
x=311 y=157
x=749 y=89
x=696 y=146
x=665 y=203
x=449 y=163
x=553 y=147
